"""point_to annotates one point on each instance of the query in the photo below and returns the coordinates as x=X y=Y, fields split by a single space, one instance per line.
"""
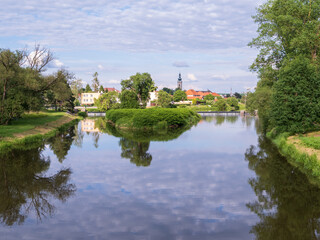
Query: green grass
x=312 y=142
x=308 y=164
x=28 y=122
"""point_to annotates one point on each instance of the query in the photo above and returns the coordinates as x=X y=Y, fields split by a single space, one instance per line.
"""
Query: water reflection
x=288 y=205
x=25 y=187
x=137 y=152
x=135 y=144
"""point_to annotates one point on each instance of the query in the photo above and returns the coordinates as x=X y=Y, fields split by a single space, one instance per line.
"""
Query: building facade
x=192 y=94
x=88 y=98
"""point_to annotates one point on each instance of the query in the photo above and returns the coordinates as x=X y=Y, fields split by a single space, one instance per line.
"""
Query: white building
x=153 y=97
x=88 y=98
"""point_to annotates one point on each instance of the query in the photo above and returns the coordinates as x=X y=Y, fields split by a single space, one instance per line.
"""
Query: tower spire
x=179 y=82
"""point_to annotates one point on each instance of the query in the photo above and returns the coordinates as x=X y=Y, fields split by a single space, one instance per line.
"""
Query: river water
x=218 y=180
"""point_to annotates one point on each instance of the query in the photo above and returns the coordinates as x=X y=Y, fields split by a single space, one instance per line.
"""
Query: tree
x=141 y=84
x=288 y=30
x=221 y=105
x=237 y=95
x=76 y=87
x=164 y=99
x=179 y=95
x=168 y=90
x=233 y=102
x=107 y=101
x=22 y=85
x=129 y=99
x=60 y=94
x=95 y=82
x=209 y=97
x=101 y=89
x=88 y=89
x=295 y=103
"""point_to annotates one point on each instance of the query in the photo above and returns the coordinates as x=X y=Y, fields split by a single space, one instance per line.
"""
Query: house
x=88 y=98
x=153 y=97
x=111 y=90
x=192 y=94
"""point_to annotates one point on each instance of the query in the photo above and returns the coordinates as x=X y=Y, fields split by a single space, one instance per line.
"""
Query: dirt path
x=302 y=148
x=46 y=128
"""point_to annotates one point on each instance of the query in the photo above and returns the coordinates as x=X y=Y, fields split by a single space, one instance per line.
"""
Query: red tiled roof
x=111 y=89
x=192 y=94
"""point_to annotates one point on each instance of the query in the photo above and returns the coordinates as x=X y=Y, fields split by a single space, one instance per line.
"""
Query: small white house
x=153 y=97
x=88 y=98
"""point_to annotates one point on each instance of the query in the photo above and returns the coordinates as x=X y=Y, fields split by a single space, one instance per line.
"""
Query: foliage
x=168 y=90
x=88 y=89
x=209 y=97
x=288 y=36
x=237 y=95
x=101 y=89
x=95 y=82
x=82 y=114
x=129 y=99
x=232 y=101
x=221 y=105
x=164 y=99
x=76 y=87
x=107 y=101
x=149 y=118
x=312 y=142
x=141 y=84
x=295 y=104
x=179 y=95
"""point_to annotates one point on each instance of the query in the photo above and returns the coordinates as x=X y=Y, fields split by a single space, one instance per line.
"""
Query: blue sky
x=205 y=40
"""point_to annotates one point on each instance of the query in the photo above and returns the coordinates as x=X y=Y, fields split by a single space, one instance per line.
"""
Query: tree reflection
x=288 y=204
x=137 y=152
x=61 y=143
x=25 y=187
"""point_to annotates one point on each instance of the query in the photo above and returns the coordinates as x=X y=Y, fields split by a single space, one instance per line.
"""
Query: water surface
x=218 y=180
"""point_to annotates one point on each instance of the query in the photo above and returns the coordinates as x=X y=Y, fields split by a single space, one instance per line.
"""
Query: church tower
x=179 y=82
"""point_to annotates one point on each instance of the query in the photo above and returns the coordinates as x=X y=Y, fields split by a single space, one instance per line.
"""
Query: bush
x=152 y=117
x=82 y=114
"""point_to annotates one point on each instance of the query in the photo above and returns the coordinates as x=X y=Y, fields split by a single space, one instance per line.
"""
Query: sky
x=204 y=40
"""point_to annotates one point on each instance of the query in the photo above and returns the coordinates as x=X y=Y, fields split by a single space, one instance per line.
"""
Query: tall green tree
x=288 y=31
x=95 y=82
x=129 y=99
x=168 y=90
x=88 y=88
x=107 y=101
x=179 y=95
x=101 y=89
x=164 y=99
x=141 y=84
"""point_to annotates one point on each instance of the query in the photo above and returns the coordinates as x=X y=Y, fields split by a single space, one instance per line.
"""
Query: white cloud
x=100 y=67
x=55 y=64
x=114 y=81
x=191 y=77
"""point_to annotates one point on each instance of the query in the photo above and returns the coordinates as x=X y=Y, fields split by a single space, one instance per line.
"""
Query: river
x=218 y=180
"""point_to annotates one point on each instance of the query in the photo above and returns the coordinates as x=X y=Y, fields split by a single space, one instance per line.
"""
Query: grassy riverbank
x=153 y=118
x=301 y=151
x=33 y=128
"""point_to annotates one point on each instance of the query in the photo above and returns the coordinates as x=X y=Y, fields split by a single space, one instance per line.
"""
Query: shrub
x=82 y=114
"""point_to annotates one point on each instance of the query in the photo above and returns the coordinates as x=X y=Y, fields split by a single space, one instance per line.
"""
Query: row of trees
x=288 y=92
x=25 y=87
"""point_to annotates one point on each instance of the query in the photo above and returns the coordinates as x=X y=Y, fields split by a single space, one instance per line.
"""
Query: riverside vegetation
x=152 y=118
x=288 y=92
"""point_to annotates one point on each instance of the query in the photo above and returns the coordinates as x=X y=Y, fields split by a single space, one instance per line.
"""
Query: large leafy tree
x=288 y=31
x=129 y=99
x=107 y=101
x=164 y=99
x=141 y=84
x=179 y=95
x=22 y=84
